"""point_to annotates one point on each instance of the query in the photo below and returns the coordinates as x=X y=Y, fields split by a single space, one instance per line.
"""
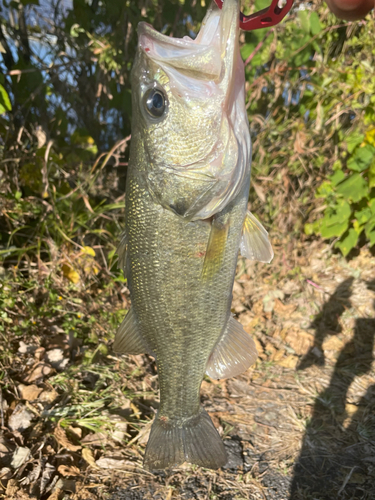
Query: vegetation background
x=65 y=113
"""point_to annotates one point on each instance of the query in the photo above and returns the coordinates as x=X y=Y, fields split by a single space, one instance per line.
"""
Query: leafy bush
x=65 y=109
x=349 y=195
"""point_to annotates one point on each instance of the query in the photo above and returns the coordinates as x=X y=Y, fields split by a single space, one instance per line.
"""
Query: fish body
x=186 y=206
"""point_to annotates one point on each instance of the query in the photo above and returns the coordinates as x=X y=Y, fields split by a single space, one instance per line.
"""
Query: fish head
x=189 y=115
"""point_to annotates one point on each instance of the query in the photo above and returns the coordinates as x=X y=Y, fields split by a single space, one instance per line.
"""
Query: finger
x=350 y=10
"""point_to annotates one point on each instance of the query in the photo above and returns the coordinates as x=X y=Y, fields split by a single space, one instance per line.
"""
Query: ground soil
x=300 y=424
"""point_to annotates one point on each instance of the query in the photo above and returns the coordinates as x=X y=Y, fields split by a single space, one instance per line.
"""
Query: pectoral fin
x=255 y=244
x=233 y=354
x=215 y=248
x=129 y=339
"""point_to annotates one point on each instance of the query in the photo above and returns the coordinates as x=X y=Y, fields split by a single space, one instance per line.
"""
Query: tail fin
x=194 y=440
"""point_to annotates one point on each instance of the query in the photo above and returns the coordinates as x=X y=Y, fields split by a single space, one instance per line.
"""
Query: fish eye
x=155 y=102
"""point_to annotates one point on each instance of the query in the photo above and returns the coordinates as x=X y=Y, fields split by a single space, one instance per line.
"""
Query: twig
x=315 y=285
x=346 y=481
x=109 y=154
x=1 y=408
x=259 y=46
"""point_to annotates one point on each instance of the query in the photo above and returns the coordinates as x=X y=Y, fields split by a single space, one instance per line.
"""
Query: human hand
x=350 y=10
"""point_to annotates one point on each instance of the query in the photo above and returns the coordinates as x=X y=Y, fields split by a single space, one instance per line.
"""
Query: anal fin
x=129 y=339
x=233 y=354
x=255 y=244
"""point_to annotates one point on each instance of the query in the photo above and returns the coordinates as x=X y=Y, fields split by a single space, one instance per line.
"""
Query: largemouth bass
x=186 y=218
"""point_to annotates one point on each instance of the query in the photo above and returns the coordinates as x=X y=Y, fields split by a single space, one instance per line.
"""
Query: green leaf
x=370 y=226
x=315 y=26
x=371 y=175
x=5 y=104
x=309 y=229
x=337 y=177
x=362 y=158
x=324 y=189
x=353 y=140
x=336 y=220
x=334 y=230
x=75 y=30
x=337 y=165
x=371 y=237
x=348 y=242
x=305 y=21
x=354 y=188
x=363 y=215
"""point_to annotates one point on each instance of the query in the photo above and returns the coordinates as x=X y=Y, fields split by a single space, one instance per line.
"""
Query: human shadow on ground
x=337 y=458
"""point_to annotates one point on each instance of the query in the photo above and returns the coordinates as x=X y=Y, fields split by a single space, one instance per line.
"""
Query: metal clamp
x=264 y=18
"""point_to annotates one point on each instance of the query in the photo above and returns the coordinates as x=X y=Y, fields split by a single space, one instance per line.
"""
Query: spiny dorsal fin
x=255 y=244
x=233 y=354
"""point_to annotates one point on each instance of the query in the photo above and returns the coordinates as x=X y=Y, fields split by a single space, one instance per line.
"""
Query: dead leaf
x=12 y=488
x=57 y=492
x=5 y=474
x=29 y=392
x=257 y=308
x=299 y=340
x=259 y=347
x=270 y=349
x=48 y=396
x=269 y=300
x=7 y=447
x=20 y=456
x=83 y=492
x=77 y=431
x=284 y=309
x=62 y=439
x=89 y=457
x=143 y=435
x=288 y=362
x=47 y=473
x=37 y=430
x=38 y=371
x=20 y=419
x=97 y=439
x=110 y=463
x=333 y=343
x=279 y=354
x=69 y=470
x=39 y=353
x=259 y=191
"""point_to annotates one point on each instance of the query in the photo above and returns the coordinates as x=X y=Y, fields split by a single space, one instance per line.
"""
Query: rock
x=55 y=357
x=29 y=392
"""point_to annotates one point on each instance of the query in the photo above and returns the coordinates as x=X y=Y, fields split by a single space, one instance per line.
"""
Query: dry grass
x=300 y=424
